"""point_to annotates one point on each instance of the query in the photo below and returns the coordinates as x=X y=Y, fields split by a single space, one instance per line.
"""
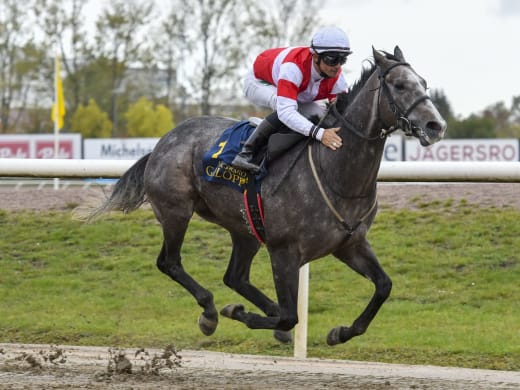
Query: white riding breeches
x=263 y=94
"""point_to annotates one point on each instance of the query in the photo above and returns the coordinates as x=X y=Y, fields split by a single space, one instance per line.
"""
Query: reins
x=349 y=228
x=352 y=128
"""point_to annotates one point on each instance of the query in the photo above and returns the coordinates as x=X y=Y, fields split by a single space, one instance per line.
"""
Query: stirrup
x=242 y=163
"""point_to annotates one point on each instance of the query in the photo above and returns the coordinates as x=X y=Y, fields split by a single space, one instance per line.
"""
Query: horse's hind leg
x=285 y=273
x=237 y=278
x=169 y=262
x=362 y=259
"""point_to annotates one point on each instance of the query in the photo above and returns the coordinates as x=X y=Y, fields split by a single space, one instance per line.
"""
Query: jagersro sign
x=499 y=149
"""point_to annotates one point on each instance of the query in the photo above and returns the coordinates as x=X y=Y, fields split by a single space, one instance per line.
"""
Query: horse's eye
x=400 y=86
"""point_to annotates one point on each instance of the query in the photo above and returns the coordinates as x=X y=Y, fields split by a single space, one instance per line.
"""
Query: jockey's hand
x=330 y=139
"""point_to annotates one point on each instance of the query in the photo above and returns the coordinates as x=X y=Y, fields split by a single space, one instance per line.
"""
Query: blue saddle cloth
x=216 y=162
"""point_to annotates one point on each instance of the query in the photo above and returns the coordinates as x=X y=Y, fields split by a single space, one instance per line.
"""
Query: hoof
x=230 y=310
x=283 y=336
x=333 y=337
x=207 y=325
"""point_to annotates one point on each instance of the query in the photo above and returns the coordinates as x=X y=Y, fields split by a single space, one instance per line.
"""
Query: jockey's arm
x=288 y=114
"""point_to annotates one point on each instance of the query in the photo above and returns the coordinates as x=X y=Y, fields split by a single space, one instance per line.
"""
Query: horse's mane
x=344 y=99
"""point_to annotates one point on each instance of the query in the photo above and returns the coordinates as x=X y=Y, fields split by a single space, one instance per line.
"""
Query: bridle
x=401 y=115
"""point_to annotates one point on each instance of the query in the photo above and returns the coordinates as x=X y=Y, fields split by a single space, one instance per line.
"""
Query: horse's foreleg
x=169 y=262
x=362 y=259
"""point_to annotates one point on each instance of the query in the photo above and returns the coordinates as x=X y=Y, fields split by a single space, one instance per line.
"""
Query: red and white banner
x=40 y=146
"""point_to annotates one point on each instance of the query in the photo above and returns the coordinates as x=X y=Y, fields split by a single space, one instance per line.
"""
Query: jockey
x=292 y=81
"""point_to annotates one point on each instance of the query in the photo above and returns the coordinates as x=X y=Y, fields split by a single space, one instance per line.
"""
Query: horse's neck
x=357 y=162
x=363 y=112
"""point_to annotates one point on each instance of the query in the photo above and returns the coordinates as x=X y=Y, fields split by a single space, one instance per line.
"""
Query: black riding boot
x=255 y=141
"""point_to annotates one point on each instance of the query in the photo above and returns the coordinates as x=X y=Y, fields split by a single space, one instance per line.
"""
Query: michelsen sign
x=117 y=148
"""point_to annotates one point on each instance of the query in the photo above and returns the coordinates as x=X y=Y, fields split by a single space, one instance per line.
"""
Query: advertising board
x=40 y=146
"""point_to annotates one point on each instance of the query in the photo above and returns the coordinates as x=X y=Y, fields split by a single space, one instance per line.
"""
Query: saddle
x=217 y=168
x=216 y=162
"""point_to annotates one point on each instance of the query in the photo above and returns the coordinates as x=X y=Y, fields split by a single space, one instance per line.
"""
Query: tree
x=90 y=121
x=515 y=110
x=19 y=60
x=169 y=50
x=220 y=37
x=118 y=38
x=472 y=127
x=514 y=118
x=286 y=22
x=499 y=114
x=62 y=24
x=217 y=35
x=146 y=121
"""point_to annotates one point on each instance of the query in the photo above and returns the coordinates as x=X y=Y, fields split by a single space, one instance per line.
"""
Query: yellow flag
x=58 y=108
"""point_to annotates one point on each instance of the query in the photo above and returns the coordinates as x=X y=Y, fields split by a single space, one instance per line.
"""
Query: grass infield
x=455 y=268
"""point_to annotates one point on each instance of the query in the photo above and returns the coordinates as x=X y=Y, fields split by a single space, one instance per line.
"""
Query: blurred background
x=135 y=68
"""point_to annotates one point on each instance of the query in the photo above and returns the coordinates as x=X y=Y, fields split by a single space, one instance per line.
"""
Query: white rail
x=478 y=171
x=453 y=171
x=62 y=168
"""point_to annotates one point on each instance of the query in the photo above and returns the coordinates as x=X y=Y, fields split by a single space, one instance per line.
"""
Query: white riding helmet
x=330 y=38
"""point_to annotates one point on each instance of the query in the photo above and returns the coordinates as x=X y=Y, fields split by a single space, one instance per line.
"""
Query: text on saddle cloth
x=216 y=162
x=218 y=169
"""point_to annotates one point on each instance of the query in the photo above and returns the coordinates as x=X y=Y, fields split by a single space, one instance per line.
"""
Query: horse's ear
x=378 y=56
x=399 y=54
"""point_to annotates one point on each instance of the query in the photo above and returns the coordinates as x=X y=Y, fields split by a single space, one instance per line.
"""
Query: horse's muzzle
x=432 y=132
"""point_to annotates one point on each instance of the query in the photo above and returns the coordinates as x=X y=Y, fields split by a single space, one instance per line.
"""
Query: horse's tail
x=128 y=194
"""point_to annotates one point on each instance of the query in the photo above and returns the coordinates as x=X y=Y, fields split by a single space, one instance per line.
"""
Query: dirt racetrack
x=72 y=367
x=68 y=367
x=400 y=195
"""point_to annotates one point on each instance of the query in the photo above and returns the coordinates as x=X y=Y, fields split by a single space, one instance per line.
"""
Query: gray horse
x=316 y=201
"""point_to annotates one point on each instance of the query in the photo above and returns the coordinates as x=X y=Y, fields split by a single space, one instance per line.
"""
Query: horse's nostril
x=432 y=125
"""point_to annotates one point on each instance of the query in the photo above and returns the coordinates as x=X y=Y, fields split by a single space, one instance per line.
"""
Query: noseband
x=401 y=115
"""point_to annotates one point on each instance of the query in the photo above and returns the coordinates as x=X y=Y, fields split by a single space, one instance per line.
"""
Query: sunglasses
x=333 y=59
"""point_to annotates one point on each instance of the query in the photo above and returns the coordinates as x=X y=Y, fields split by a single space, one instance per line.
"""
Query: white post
x=300 y=331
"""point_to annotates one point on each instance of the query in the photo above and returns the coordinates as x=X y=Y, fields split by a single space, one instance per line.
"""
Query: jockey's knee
x=312 y=109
